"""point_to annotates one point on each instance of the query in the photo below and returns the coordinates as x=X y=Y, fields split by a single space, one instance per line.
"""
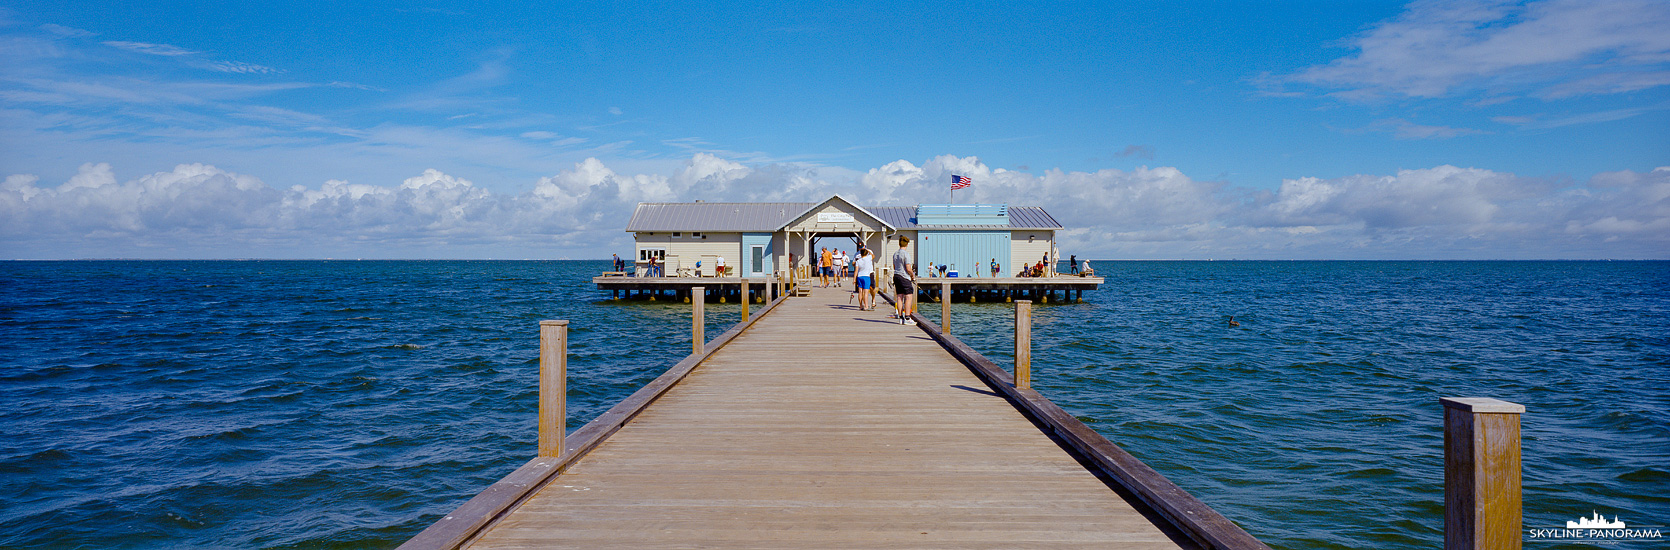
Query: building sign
x=834 y=217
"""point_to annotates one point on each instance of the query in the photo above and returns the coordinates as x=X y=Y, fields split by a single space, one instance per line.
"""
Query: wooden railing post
x=553 y=386
x=745 y=299
x=945 y=307
x=1023 y=344
x=698 y=298
x=1482 y=507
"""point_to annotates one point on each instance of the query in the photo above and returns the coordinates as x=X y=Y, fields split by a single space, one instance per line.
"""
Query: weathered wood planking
x=829 y=427
x=1199 y=521
x=467 y=522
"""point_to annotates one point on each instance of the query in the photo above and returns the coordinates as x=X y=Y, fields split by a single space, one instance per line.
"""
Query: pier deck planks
x=827 y=427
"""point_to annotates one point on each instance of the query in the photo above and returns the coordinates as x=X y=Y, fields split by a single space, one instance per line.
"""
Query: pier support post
x=698 y=298
x=1023 y=344
x=945 y=308
x=745 y=299
x=553 y=386
x=1482 y=507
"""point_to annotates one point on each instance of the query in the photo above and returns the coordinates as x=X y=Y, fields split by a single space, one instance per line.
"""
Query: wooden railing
x=478 y=514
x=1191 y=516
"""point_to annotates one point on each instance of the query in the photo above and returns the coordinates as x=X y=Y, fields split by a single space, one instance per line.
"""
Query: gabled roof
x=769 y=217
x=833 y=198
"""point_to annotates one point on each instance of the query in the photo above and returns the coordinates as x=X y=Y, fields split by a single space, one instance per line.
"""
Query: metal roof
x=768 y=217
x=1020 y=217
x=764 y=217
x=1031 y=217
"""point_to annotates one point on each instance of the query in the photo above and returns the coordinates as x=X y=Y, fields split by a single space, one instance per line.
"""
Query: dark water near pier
x=349 y=404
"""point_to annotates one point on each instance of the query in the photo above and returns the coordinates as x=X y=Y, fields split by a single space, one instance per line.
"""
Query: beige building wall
x=1022 y=252
x=885 y=265
x=687 y=249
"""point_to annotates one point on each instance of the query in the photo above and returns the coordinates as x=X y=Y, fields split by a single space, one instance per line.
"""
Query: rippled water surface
x=350 y=404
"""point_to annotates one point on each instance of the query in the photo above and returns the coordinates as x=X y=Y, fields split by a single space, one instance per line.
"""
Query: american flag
x=959 y=182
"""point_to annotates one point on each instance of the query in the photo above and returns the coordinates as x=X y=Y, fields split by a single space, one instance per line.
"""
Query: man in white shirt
x=840 y=266
x=719 y=265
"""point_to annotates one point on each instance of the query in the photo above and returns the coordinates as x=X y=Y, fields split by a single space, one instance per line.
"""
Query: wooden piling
x=1482 y=506
x=553 y=386
x=698 y=299
x=945 y=307
x=1023 y=344
x=745 y=299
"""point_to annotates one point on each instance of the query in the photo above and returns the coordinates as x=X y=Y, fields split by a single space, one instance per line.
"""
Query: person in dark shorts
x=904 y=298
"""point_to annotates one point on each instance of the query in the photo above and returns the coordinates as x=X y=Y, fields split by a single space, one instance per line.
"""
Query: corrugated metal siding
x=970 y=252
x=962 y=214
x=1026 y=217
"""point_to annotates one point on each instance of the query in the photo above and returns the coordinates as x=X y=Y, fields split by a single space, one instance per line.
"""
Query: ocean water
x=344 y=404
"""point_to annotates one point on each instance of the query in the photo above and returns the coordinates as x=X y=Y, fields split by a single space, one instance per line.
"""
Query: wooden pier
x=1060 y=288
x=815 y=425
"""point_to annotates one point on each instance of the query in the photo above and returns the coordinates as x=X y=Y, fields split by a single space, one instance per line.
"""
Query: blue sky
x=1160 y=130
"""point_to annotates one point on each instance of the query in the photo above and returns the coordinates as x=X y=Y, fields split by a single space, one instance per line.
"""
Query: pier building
x=781 y=241
x=757 y=239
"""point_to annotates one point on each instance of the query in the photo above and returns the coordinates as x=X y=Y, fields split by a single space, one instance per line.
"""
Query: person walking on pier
x=863 y=274
x=1073 y=262
x=840 y=267
x=825 y=265
x=904 y=297
x=996 y=269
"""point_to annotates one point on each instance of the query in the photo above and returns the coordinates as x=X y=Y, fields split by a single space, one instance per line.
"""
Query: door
x=756 y=260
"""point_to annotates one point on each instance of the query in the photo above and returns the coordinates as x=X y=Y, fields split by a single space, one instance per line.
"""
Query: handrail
x=480 y=513
x=1193 y=517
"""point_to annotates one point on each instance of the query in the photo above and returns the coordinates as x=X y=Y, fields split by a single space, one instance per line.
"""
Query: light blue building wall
x=756 y=254
x=971 y=252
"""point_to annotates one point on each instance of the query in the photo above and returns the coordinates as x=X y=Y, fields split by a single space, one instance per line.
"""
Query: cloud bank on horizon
x=1235 y=130
x=1443 y=212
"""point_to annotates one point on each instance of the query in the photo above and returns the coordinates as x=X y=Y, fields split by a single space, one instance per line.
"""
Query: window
x=676 y=234
x=696 y=234
x=644 y=254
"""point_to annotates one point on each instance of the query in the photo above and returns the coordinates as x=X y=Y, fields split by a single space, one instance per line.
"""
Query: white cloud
x=1403 y=129
x=239 y=67
x=167 y=50
x=198 y=210
x=1549 y=48
x=67 y=32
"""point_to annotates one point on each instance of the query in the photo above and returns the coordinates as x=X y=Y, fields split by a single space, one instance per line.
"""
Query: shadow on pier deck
x=815 y=425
